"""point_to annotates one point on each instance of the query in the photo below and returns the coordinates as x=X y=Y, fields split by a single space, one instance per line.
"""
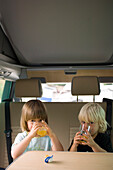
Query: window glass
x=2 y=84
x=61 y=92
x=106 y=91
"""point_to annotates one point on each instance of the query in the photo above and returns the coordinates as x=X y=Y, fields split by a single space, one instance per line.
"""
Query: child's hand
x=88 y=139
x=49 y=131
x=77 y=139
x=33 y=132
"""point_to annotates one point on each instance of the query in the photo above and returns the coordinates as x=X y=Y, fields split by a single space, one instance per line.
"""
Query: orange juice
x=84 y=132
x=83 y=141
x=42 y=132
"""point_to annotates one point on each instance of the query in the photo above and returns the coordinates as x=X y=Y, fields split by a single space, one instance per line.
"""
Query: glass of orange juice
x=84 y=132
x=42 y=131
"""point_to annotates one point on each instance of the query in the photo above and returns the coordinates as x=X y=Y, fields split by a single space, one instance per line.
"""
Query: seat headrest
x=28 y=88
x=85 y=85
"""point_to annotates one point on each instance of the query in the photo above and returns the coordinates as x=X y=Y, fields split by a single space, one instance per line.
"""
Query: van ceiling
x=59 y=32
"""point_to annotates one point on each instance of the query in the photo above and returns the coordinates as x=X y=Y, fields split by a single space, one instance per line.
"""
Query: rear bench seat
x=63 y=119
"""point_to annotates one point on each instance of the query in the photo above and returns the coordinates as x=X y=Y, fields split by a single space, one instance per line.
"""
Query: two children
x=34 y=116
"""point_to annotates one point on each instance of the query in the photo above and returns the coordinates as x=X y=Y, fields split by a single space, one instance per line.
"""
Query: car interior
x=60 y=41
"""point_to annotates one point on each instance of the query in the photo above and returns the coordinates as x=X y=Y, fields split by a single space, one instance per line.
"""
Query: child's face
x=94 y=127
x=31 y=122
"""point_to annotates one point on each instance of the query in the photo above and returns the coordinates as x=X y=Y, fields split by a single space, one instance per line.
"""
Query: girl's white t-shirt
x=36 y=143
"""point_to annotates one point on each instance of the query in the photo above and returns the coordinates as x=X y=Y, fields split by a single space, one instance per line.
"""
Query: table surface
x=35 y=160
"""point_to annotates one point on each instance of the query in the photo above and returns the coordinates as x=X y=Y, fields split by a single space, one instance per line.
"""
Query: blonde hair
x=33 y=109
x=93 y=112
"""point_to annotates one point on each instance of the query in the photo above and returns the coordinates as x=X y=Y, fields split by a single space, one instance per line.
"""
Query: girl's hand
x=49 y=131
x=33 y=132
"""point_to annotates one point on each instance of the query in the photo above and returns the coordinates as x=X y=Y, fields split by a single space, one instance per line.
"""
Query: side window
x=2 y=84
x=106 y=91
x=5 y=89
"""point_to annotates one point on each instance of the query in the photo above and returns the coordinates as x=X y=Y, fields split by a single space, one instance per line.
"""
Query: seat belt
x=8 y=131
x=108 y=115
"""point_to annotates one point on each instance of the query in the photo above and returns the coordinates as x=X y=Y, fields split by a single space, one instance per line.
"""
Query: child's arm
x=56 y=145
x=75 y=143
x=73 y=148
x=19 y=148
x=97 y=148
x=90 y=142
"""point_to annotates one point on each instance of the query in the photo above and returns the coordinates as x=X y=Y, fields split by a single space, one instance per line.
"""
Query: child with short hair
x=33 y=118
x=95 y=140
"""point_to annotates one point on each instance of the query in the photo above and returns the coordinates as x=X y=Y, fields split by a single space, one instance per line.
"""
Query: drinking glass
x=82 y=131
x=42 y=131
